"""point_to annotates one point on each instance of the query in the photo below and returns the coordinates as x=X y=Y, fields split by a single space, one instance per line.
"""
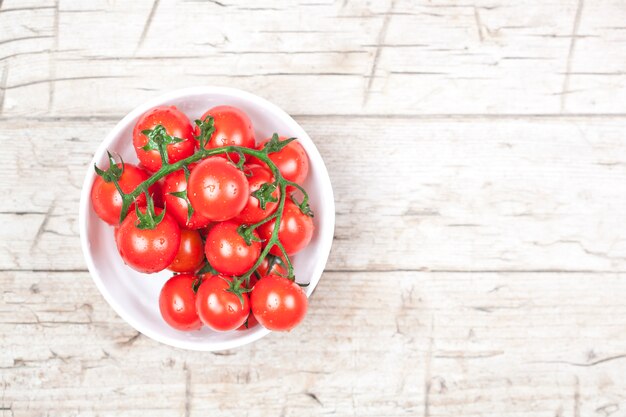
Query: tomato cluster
x=221 y=212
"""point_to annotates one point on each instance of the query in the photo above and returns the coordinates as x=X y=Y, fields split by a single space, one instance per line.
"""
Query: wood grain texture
x=479 y=194
x=472 y=344
x=486 y=57
x=478 y=160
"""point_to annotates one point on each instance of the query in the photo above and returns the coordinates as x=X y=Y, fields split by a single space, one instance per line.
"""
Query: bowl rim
x=164 y=99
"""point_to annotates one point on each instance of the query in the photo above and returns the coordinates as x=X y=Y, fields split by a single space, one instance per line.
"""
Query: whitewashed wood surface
x=478 y=155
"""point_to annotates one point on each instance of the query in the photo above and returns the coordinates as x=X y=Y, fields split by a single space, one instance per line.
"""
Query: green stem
x=282 y=183
x=272 y=241
x=305 y=198
x=167 y=168
x=287 y=260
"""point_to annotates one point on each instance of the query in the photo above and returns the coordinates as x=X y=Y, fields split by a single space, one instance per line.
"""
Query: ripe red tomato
x=218 y=308
x=278 y=268
x=227 y=251
x=295 y=231
x=292 y=161
x=253 y=212
x=177 y=303
x=177 y=206
x=250 y=322
x=148 y=250
x=107 y=201
x=176 y=124
x=232 y=127
x=217 y=189
x=190 y=252
x=251 y=282
x=156 y=191
x=278 y=303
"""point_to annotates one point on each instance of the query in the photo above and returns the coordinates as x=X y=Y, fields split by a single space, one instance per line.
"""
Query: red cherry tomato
x=251 y=282
x=279 y=267
x=177 y=303
x=176 y=124
x=253 y=212
x=250 y=322
x=232 y=127
x=295 y=231
x=205 y=230
x=227 y=251
x=190 y=252
x=218 y=308
x=177 y=206
x=278 y=303
x=217 y=189
x=156 y=191
x=292 y=161
x=107 y=201
x=148 y=250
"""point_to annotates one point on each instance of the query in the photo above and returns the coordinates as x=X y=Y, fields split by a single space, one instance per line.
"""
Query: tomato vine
x=158 y=139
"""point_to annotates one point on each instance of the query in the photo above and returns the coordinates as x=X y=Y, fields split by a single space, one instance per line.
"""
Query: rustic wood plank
x=481 y=344
x=412 y=58
x=427 y=194
x=477 y=156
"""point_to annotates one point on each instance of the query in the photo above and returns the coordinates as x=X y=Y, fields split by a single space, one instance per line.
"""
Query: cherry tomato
x=176 y=124
x=190 y=252
x=232 y=127
x=177 y=206
x=156 y=190
x=227 y=251
x=148 y=250
x=250 y=322
x=279 y=267
x=253 y=212
x=278 y=303
x=219 y=309
x=292 y=161
x=177 y=303
x=251 y=282
x=217 y=189
x=295 y=232
x=205 y=230
x=107 y=201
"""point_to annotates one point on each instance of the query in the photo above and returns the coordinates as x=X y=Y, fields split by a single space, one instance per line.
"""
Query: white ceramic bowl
x=133 y=295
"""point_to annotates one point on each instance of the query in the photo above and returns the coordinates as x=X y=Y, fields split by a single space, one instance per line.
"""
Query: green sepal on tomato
x=221 y=305
x=227 y=251
x=105 y=197
x=231 y=127
x=295 y=230
x=177 y=201
x=172 y=127
x=263 y=198
x=292 y=160
x=148 y=239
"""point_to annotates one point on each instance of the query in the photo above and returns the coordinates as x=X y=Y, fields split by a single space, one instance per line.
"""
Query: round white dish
x=133 y=295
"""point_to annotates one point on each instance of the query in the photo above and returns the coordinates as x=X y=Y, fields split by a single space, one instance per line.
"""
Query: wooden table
x=478 y=156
